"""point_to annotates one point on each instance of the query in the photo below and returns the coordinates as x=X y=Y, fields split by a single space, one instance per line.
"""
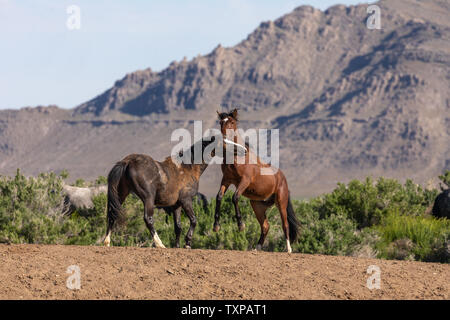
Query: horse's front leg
x=177 y=225
x=243 y=185
x=223 y=188
x=187 y=207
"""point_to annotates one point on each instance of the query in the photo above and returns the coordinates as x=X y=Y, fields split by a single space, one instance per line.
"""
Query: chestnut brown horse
x=169 y=184
x=263 y=190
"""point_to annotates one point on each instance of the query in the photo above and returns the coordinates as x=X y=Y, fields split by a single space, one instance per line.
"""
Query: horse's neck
x=195 y=170
x=238 y=139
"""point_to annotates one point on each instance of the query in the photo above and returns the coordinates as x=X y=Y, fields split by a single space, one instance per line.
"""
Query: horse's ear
x=218 y=114
x=234 y=114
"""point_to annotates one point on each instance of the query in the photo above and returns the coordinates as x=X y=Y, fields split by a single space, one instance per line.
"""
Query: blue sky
x=42 y=62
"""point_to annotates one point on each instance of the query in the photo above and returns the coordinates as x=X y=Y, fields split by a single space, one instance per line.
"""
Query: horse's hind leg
x=282 y=203
x=260 y=208
x=148 y=218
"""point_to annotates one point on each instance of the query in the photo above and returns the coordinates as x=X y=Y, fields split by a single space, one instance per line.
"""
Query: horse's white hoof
x=157 y=241
x=107 y=241
x=288 y=245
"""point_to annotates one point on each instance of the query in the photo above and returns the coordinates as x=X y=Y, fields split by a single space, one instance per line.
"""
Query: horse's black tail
x=292 y=221
x=115 y=212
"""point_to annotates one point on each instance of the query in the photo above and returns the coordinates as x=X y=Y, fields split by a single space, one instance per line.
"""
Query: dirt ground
x=39 y=272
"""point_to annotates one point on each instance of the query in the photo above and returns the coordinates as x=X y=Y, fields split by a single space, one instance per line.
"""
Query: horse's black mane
x=191 y=152
x=233 y=114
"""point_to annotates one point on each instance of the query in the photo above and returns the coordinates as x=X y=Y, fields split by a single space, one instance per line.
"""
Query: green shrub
x=445 y=178
x=101 y=180
x=363 y=218
x=367 y=202
x=422 y=238
x=324 y=232
x=29 y=208
x=80 y=183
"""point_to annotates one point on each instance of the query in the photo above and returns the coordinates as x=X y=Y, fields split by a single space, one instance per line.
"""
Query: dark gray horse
x=80 y=199
x=441 y=207
x=169 y=184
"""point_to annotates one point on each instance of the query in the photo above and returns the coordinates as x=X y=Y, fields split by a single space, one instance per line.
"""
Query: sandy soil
x=39 y=272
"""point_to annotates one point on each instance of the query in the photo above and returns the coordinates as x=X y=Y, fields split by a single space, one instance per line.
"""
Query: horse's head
x=228 y=121
x=188 y=155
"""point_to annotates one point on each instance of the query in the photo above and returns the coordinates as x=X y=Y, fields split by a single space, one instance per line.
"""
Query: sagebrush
x=383 y=218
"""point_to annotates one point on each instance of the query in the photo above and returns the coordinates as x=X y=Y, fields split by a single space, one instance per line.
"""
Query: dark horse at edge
x=168 y=184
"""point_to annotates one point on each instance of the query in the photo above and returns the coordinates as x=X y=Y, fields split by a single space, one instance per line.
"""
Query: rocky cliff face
x=348 y=101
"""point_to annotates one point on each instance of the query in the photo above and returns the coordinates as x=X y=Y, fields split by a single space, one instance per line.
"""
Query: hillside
x=349 y=101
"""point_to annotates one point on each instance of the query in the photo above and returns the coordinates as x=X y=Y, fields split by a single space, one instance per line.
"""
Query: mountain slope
x=348 y=101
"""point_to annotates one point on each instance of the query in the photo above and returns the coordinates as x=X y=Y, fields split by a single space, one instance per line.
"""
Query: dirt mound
x=39 y=272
